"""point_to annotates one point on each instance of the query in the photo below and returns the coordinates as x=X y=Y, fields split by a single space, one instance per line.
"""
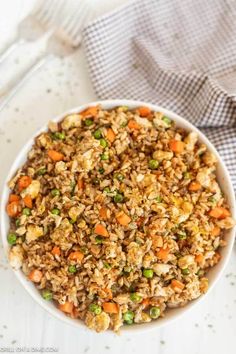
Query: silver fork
x=62 y=42
x=33 y=26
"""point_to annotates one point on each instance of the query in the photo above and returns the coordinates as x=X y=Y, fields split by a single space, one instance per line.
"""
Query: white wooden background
x=62 y=84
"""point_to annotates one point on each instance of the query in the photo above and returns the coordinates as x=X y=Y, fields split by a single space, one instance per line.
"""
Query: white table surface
x=208 y=328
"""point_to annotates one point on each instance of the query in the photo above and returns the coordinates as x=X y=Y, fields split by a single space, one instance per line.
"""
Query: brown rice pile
x=116 y=216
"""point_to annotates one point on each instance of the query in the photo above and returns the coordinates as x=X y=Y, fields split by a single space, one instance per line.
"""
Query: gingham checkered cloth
x=180 y=54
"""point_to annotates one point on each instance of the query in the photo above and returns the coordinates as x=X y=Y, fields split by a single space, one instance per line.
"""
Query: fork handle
x=10 y=47
x=14 y=86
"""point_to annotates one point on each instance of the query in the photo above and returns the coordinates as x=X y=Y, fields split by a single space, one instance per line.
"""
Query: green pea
x=59 y=135
x=187 y=175
x=185 y=271
x=84 y=250
x=107 y=190
x=55 y=192
x=154 y=312
x=41 y=171
x=97 y=134
x=72 y=221
x=104 y=156
x=106 y=265
x=26 y=211
x=47 y=294
x=95 y=309
x=211 y=199
x=119 y=176
x=159 y=199
x=101 y=170
x=148 y=273
x=182 y=235
x=17 y=222
x=118 y=198
x=98 y=240
x=88 y=122
x=72 y=269
x=135 y=297
x=103 y=143
x=128 y=317
x=200 y=272
x=153 y=164
x=11 y=238
x=167 y=120
x=124 y=124
x=55 y=211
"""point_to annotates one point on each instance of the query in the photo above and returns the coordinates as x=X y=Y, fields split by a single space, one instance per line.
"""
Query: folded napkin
x=180 y=54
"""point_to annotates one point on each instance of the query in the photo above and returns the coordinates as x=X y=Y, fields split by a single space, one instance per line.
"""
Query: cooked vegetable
x=135 y=297
x=123 y=219
x=154 y=312
x=148 y=273
x=101 y=230
x=144 y=111
x=47 y=294
x=128 y=317
x=24 y=182
x=219 y=213
x=35 y=275
x=176 y=146
x=111 y=136
x=153 y=164
x=11 y=238
x=110 y=307
x=55 y=155
x=95 y=309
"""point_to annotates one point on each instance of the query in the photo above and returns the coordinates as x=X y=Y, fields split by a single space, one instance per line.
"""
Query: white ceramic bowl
x=214 y=273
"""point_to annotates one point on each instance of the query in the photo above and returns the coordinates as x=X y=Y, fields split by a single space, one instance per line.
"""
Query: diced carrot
x=108 y=293
x=101 y=230
x=163 y=254
x=28 y=201
x=111 y=135
x=122 y=218
x=13 y=209
x=76 y=256
x=194 y=186
x=144 y=111
x=67 y=307
x=176 y=284
x=219 y=213
x=133 y=125
x=14 y=198
x=56 y=251
x=176 y=146
x=199 y=258
x=110 y=307
x=103 y=212
x=146 y=302
x=90 y=112
x=24 y=182
x=35 y=275
x=55 y=155
x=80 y=183
x=215 y=231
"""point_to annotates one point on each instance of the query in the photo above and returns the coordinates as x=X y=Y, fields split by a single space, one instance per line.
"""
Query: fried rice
x=117 y=216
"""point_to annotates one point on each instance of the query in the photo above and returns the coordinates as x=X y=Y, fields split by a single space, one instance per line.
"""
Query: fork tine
x=51 y=11
x=83 y=16
x=76 y=19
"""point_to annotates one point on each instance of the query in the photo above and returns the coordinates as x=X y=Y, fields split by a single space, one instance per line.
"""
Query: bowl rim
x=109 y=104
